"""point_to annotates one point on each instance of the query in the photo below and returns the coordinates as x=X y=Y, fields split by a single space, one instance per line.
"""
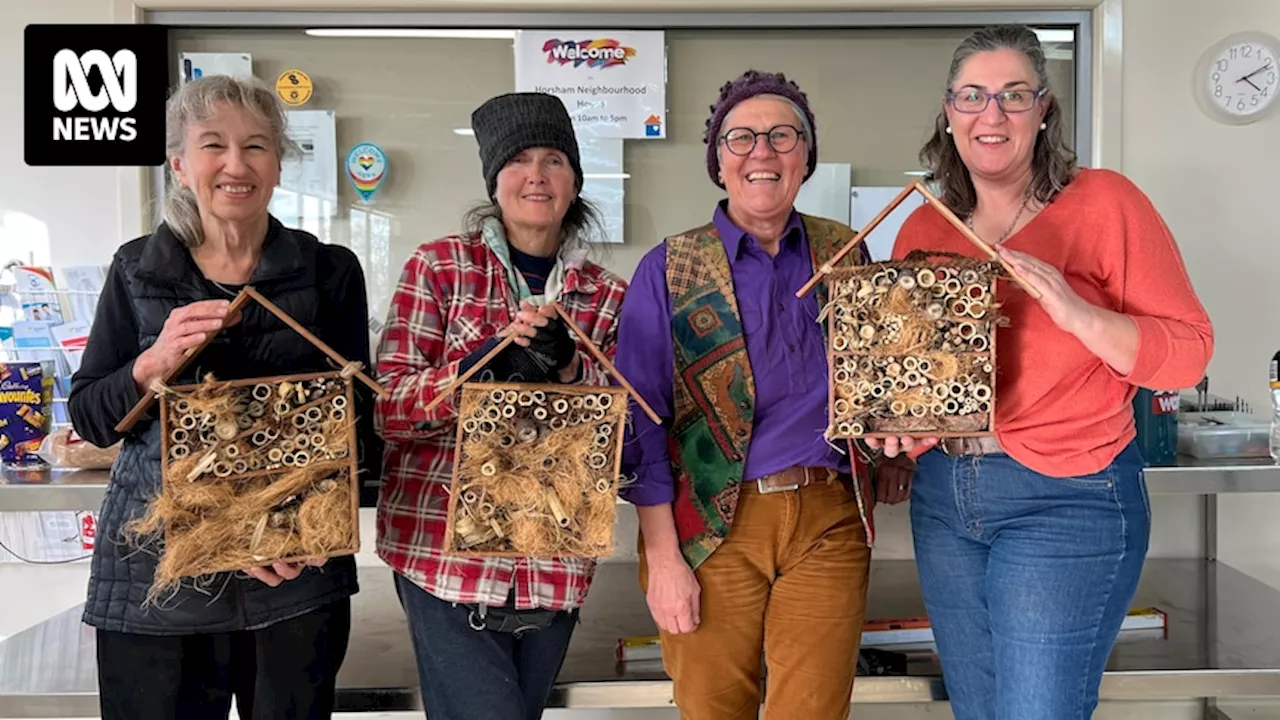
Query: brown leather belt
x=985 y=445
x=793 y=478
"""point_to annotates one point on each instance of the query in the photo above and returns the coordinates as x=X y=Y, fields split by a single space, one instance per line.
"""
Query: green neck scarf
x=495 y=236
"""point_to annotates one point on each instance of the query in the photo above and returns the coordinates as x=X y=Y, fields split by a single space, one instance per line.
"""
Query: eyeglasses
x=973 y=100
x=782 y=138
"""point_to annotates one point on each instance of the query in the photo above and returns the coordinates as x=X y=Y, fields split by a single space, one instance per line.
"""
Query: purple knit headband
x=748 y=85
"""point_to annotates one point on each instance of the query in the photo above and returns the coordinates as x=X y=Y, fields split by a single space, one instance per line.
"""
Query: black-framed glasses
x=782 y=138
x=972 y=100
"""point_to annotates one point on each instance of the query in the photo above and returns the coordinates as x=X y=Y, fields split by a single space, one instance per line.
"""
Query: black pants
x=469 y=674
x=286 y=671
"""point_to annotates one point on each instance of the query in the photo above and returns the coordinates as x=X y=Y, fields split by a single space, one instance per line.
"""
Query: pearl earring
x=1043 y=126
x=948 y=129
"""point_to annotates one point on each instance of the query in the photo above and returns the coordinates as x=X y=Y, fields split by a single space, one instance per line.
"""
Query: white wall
x=1217 y=187
x=87 y=211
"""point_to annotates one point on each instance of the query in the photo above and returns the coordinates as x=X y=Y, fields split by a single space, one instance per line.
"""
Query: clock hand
x=1246 y=79
x=1255 y=72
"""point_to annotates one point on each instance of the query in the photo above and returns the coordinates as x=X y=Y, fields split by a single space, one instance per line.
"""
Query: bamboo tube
x=972 y=237
x=917 y=186
x=608 y=366
x=829 y=265
x=144 y=402
x=439 y=398
x=553 y=501
x=298 y=328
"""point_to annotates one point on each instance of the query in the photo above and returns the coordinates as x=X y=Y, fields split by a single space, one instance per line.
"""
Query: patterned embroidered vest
x=714 y=387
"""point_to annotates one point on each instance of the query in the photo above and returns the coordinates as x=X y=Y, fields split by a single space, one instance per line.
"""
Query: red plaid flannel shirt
x=452 y=295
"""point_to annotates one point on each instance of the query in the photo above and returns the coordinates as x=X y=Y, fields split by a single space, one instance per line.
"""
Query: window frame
x=1080 y=22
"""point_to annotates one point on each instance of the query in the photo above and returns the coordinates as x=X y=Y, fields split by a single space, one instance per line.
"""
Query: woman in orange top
x=1030 y=543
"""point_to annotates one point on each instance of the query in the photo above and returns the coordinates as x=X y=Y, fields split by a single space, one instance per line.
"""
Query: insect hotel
x=912 y=342
x=538 y=465
x=254 y=471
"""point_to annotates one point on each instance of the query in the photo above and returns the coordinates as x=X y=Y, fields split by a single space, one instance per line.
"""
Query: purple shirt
x=784 y=344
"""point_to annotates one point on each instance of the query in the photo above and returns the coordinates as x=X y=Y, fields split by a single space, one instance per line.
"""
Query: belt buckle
x=967 y=447
x=764 y=488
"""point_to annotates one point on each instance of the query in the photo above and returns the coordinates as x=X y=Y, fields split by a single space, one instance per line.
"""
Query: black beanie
x=509 y=124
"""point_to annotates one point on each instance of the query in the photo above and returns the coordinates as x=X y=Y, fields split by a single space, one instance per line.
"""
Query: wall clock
x=1237 y=80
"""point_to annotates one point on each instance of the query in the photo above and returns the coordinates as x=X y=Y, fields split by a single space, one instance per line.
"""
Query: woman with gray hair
x=1030 y=541
x=271 y=637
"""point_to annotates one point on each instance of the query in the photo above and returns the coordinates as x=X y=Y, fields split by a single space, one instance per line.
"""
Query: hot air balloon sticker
x=366 y=169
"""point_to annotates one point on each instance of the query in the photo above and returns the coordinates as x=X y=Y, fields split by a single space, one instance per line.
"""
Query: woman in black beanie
x=489 y=634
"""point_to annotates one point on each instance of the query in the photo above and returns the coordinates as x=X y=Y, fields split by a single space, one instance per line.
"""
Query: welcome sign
x=612 y=82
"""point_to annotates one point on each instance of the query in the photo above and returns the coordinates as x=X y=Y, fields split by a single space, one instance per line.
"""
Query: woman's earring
x=948 y=129
x=1043 y=125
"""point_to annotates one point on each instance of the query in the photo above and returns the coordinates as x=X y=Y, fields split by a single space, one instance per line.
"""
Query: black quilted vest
x=162 y=276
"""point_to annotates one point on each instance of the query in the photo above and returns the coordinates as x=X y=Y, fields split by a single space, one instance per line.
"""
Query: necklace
x=228 y=291
x=223 y=288
x=968 y=221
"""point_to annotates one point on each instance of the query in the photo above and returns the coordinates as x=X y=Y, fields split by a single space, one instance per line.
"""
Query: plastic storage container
x=1224 y=435
x=1155 y=412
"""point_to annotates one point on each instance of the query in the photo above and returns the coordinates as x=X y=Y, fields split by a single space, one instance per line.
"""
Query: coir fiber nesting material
x=253 y=472
x=912 y=347
x=536 y=473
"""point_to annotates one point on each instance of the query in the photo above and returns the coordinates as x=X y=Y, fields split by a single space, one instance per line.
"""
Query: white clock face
x=1243 y=78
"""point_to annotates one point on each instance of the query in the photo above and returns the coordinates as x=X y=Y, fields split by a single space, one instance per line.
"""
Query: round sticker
x=294 y=87
x=366 y=169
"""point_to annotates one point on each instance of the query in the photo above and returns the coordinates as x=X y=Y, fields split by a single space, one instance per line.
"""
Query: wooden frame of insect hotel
x=912 y=342
x=254 y=471
x=538 y=466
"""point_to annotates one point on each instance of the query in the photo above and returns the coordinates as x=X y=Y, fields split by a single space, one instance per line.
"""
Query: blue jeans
x=469 y=674
x=1026 y=579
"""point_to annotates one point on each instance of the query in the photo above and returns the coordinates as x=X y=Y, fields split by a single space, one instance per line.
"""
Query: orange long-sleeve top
x=1060 y=410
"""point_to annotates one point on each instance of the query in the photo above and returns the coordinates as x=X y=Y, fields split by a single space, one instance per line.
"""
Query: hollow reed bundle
x=253 y=472
x=536 y=473
x=912 y=347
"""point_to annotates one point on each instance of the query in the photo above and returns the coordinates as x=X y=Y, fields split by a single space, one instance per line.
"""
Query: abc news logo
x=71 y=91
x=95 y=94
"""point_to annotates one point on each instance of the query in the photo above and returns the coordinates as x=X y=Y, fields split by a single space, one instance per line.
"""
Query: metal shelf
x=57 y=489
x=51 y=489
x=1220 y=643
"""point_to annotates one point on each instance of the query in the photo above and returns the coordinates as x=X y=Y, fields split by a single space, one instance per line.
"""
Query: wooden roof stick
x=608 y=366
x=586 y=341
x=829 y=265
x=968 y=232
x=475 y=368
x=936 y=204
x=324 y=348
x=242 y=298
x=144 y=403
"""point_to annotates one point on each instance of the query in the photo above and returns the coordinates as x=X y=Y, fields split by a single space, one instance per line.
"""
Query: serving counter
x=1222 y=639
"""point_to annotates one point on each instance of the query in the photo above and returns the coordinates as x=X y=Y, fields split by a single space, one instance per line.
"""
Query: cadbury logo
x=599 y=53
